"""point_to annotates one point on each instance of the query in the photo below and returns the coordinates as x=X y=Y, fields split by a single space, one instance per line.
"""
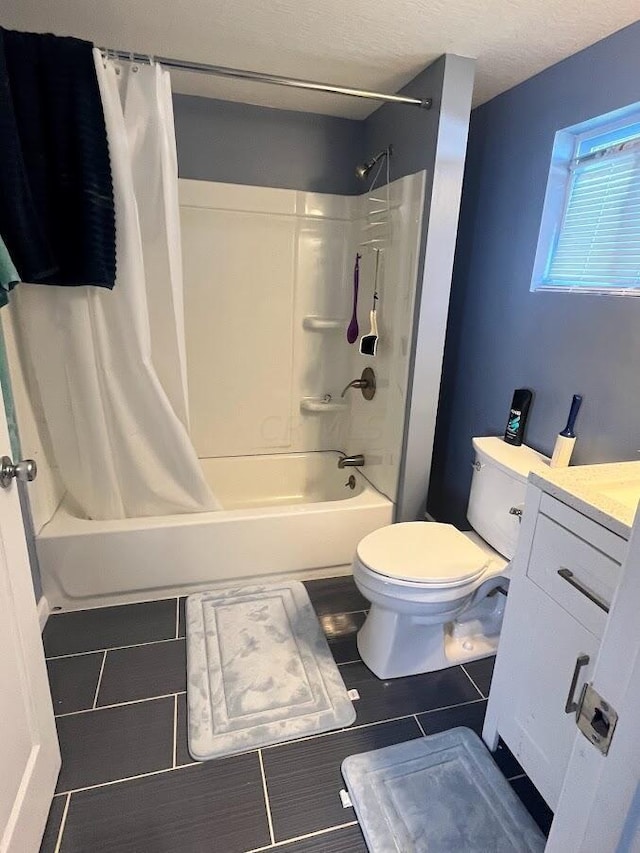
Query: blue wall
x=500 y=335
x=244 y=144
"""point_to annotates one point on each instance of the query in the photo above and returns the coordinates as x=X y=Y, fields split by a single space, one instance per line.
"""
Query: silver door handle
x=567 y=575
x=26 y=470
x=571 y=706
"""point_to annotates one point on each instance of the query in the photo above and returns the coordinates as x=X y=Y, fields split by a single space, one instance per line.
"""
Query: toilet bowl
x=438 y=594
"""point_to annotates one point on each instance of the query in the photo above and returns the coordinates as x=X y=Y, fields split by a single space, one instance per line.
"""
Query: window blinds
x=597 y=243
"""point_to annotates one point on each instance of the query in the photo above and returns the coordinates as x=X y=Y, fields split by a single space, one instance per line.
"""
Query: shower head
x=363 y=169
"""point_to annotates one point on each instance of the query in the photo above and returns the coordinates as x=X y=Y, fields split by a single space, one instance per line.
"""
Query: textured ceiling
x=372 y=44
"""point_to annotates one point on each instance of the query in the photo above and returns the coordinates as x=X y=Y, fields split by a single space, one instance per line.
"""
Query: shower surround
x=267 y=277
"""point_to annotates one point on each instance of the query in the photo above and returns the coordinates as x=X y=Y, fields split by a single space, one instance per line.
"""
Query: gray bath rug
x=259 y=670
x=440 y=794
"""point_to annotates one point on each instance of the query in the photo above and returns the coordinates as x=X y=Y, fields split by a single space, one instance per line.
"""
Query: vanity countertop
x=607 y=493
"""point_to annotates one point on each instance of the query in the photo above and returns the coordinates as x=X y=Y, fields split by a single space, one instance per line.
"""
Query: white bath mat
x=259 y=670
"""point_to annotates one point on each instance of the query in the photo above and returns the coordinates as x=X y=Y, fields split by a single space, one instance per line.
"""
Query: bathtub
x=284 y=515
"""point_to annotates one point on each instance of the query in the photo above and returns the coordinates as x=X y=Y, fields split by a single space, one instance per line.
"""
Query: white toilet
x=438 y=595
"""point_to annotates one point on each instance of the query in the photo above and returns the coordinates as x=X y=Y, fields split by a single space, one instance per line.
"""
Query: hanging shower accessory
x=353 y=331
x=369 y=343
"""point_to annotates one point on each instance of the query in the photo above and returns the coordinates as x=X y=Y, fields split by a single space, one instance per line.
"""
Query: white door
x=599 y=806
x=29 y=754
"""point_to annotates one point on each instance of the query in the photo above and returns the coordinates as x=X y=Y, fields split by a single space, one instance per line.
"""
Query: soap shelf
x=323 y=324
x=320 y=405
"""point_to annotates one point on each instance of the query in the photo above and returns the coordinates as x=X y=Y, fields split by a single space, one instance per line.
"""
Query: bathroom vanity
x=572 y=544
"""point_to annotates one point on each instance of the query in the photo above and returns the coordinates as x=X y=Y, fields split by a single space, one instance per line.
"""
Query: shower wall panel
x=257 y=261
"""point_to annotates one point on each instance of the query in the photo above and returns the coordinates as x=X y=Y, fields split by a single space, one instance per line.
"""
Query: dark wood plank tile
x=346 y=840
x=73 y=681
x=182 y=622
x=183 y=756
x=215 y=806
x=341 y=630
x=143 y=671
x=470 y=715
x=114 y=743
x=52 y=829
x=382 y=700
x=335 y=595
x=304 y=778
x=482 y=672
x=534 y=803
x=106 y=627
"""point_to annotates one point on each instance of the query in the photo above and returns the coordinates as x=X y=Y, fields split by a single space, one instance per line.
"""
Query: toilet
x=438 y=594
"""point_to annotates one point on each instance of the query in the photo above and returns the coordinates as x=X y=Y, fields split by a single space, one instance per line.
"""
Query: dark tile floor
x=129 y=785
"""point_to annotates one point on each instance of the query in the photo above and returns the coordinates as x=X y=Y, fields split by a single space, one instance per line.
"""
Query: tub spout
x=356 y=461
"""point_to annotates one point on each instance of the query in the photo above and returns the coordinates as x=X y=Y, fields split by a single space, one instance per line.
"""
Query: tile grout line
x=177 y=637
x=114 y=648
x=472 y=681
x=175 y=729
x=316 y=834
x=128 y=779
x=266 y=798
x=424 y=734
x=119 y=704
x=62 y=824
x=95 y=698
x=272 y=746
x=374 y=723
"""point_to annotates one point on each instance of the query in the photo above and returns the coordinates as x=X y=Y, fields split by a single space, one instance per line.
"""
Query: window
x=590 y=232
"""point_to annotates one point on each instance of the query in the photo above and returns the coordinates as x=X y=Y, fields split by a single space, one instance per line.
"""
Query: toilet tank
x=499 y=482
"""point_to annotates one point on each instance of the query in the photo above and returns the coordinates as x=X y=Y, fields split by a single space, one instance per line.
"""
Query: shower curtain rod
x=274 y=79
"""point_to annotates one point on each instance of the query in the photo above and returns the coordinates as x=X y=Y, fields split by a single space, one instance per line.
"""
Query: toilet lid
x=425 y=551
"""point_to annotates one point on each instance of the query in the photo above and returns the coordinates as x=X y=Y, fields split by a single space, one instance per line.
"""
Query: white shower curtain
x=110 y=365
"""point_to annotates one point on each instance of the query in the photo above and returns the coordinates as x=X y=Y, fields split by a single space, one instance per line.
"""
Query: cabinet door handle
x=571 y=706
x=567 y=575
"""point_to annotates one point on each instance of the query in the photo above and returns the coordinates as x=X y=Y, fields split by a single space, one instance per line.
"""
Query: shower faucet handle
x=366 y=383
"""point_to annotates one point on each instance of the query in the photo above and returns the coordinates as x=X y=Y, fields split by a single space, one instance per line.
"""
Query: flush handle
x=25 y=471
x=515 y=510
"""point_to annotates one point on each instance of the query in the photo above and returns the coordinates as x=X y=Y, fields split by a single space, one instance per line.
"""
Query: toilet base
x=394 y=645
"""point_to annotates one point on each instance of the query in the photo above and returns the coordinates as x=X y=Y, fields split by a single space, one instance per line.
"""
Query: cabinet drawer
x=588 y=573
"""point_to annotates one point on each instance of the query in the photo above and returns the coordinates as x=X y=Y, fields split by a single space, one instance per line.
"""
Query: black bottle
x=514 y=433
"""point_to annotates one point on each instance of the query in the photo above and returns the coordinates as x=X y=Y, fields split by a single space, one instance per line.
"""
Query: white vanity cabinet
x=564 y=574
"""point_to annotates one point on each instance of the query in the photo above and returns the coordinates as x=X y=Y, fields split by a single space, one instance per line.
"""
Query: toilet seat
x=426 y=554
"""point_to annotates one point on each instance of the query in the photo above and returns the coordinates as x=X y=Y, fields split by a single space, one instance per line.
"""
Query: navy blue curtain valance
x=56 y=200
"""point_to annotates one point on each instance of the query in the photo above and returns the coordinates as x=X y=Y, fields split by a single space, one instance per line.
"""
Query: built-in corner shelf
x=313 y=323
x=321 y=406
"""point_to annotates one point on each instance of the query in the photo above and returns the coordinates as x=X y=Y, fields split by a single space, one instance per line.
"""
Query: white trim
x=43 y=612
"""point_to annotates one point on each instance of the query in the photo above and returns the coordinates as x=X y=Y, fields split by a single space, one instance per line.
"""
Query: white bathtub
x=284 y=514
